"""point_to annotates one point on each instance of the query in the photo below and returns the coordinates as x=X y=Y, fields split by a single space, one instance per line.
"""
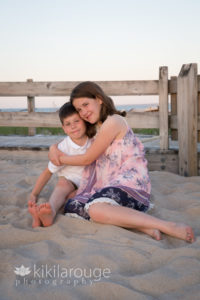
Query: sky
x=78 y=40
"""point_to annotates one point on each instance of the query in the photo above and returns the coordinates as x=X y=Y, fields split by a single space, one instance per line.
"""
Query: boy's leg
x=33 y=210
x=48 y=211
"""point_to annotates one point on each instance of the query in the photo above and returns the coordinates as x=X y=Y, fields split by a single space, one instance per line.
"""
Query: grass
x=24 y=131
x=59 y=131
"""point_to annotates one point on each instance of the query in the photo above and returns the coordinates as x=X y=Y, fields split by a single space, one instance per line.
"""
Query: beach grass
x=59 y=131
x=24 y=131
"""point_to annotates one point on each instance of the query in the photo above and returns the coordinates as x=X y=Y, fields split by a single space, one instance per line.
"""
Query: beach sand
x=78 y=259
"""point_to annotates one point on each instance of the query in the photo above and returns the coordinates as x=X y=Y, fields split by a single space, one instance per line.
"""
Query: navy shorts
x=121 y=197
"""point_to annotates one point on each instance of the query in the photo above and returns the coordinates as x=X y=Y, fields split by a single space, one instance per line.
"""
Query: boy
x=76 y=142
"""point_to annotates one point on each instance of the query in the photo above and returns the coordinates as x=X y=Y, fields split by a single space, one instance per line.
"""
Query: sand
x=78 y=259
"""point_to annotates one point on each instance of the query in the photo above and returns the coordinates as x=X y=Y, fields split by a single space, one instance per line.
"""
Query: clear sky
x=49 y=40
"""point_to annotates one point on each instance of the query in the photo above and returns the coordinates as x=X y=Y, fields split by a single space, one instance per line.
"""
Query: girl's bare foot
x=182 y=231
x=46 y=214
x=154 y=233
x=33 y=210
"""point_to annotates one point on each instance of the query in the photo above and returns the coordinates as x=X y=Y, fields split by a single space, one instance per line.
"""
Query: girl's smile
x=88 y=109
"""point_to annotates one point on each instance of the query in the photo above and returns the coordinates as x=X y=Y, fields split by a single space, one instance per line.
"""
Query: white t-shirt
x=72 y=173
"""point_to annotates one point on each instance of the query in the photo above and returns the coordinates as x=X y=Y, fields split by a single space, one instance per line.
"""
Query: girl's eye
x=85 y=104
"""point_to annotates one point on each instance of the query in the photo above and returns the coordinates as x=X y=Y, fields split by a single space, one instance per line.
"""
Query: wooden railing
x=184 y=91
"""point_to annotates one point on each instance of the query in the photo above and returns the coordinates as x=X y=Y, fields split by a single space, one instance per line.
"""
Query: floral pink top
x=122 y=165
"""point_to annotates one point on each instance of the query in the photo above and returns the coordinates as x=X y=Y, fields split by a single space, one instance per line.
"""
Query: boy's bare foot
x=183 y=232
x=154 y=233
x=33 y=210
x=46 y=214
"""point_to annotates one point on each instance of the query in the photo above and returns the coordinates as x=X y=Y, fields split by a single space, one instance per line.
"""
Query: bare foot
x=33 y=210
x=154 y=233
x=182 y=231
x=46 y=214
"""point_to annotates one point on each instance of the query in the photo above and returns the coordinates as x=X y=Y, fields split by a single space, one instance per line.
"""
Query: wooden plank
x=173 y=84
x=24 y=119
x=187 y=119
x=135 y=120
x=113 y=88
x=173 y=122
x=163 y=108
x=158 y=161
x=143 y=119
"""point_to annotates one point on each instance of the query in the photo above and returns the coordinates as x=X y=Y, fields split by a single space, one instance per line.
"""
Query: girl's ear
x=99 y=100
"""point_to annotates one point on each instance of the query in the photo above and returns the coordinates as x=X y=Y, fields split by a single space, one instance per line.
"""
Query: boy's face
x=74 y=126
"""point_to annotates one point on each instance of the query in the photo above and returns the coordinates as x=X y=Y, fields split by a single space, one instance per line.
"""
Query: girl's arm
x=110 y=129
x=40 y=183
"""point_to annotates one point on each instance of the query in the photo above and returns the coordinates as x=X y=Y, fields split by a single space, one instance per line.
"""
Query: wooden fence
x=184 y=118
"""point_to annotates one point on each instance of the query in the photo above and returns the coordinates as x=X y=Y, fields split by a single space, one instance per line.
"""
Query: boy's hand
x=33 y=198
x=54 y=154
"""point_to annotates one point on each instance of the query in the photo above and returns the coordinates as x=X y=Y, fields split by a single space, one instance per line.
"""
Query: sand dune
x=78 y=259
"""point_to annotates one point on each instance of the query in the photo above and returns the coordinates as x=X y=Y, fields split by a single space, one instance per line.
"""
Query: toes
x=42 y=205
x=30 y=203
x=189 y=235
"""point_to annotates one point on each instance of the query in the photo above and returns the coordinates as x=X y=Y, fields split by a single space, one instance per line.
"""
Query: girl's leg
x=154 y=233
x=131 y=218
x=48 y=211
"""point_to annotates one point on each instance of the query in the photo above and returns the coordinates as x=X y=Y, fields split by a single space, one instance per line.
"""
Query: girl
x=115 y=188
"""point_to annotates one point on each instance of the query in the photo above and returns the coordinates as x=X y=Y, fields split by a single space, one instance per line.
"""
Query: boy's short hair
x=66 y=110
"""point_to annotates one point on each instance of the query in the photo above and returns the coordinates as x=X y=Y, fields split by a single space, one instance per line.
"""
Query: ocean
x=119 y=107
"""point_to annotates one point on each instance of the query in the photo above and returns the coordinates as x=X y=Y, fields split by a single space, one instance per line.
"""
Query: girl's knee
x=96 y=213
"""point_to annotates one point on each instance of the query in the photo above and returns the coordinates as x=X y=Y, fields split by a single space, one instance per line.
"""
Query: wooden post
x=163 y=108
x=187 y=94
x=198 y=109
x=174 y=132
x=31 y=108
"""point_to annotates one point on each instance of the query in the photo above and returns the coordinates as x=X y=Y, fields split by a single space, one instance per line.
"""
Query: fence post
x=187 y=93
x=163 y=108
x=174 y=132
x=31 y=108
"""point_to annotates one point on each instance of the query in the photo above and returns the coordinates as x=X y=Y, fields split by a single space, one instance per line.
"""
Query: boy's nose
x=73 y=125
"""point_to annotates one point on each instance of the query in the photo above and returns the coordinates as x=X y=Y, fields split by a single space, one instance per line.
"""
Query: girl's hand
x=54 y=154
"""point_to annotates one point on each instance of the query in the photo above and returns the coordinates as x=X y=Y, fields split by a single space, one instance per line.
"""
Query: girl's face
x=88 y=109
x=74 y=126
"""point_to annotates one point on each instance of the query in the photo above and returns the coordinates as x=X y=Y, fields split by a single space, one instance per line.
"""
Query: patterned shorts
x=112 y=195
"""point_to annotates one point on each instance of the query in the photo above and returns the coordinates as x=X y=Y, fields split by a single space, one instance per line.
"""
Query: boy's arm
x=40 y=183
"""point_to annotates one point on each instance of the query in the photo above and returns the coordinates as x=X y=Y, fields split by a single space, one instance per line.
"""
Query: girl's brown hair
x=91 y=90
